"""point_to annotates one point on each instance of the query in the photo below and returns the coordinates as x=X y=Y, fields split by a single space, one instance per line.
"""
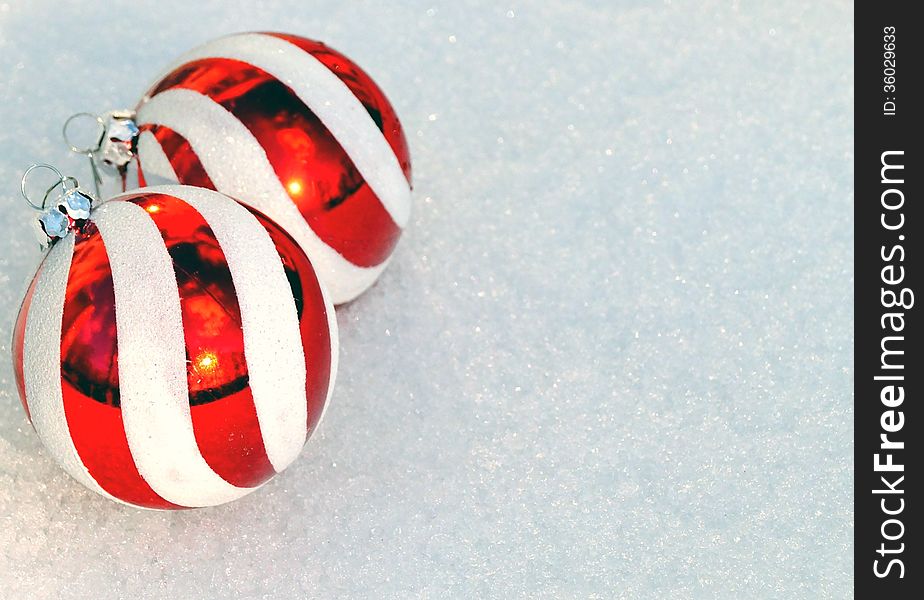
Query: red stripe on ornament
x=19 y=342
x=90 y=376
x=313 y=168
x=224 y=416
x=312 y=317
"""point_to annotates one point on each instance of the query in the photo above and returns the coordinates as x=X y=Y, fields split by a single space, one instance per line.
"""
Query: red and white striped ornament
x=295 y=130
x=176 y=350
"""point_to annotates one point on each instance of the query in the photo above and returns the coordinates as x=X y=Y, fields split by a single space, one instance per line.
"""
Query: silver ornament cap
x=64 y=208
x=119 y=142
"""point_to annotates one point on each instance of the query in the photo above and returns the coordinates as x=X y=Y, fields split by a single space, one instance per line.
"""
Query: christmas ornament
x=174 y=349
x=294 y=129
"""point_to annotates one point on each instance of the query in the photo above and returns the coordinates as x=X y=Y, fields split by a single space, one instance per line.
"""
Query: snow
x=612 y=356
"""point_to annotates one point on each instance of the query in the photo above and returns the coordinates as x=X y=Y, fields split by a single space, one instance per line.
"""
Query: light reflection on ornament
x=294 y=187
x=206 y=361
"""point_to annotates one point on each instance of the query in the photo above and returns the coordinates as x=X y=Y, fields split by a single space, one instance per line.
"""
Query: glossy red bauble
x=294 y=129
x=175 y=352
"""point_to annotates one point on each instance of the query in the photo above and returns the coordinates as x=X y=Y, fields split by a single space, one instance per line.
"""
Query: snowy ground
x=612 y=357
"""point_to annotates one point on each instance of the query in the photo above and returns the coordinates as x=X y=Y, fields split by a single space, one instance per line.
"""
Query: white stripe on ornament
x=155 y=160
x=152 y=361
x=334 y=330
x=330 y=99
x=42 y=363
x=244 y=173
x=156 y=168
x=269 y=319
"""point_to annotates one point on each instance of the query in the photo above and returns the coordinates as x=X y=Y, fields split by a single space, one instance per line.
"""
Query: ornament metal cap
x=114 y=144
x=69 y=211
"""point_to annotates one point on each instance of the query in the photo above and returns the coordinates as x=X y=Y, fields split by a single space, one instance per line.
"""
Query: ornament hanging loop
x=91 y=150
x=66 y=182
x=95 y=146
